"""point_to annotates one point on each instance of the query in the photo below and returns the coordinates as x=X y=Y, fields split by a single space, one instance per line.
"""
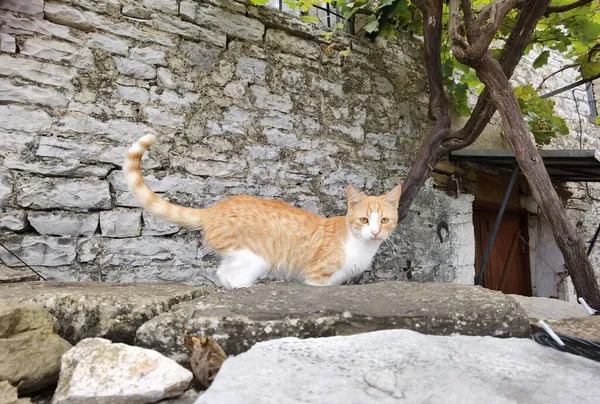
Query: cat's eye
x=385 y=220
x=364 y=220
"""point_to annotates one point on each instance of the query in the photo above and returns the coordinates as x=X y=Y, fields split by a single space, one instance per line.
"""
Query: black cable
x=575 y=346
x=24 y=263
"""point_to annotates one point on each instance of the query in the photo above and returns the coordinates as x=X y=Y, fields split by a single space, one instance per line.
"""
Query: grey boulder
x=401 y=366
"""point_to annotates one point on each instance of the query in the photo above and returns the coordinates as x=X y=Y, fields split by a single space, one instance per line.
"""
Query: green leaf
x=372 y=25
x=345 y=52
x=598 y=120
x=539 y=113
x=541 y=60
x=309 y=18
x=259 y=2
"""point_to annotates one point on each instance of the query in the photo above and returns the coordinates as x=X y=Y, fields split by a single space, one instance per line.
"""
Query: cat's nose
x=375 y=233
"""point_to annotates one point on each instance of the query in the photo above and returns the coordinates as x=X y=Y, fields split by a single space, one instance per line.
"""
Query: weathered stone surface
x=251 y=70
x=165 y=78
x=188 y=31
x=24 y=94
x=109 y=44
x=148 y=55
x=9 y=275
x=18 y=25
x=54 y=193
x=121 y=223
x=39 y=250
x=58 y=51
x=270 y=101
x=6 y=185
x=134 y=68
x=157 y=227
x=34 y=8
x=8 y=43
x=189 y=397
x=101 y=309
x=13 y=219
x=45 y=73
x=18 y=118
x=542 y=308
x=9 y=394
x=164 y=6
x=97 y=371
x=139 y=251
x=30 y=351
x=163 y=118
x=64 y=223
x=134 y=94
x=131 y=10
x=232 y=24
x=240 y=318
x=587 y=327
x=291 y=44
x=201 y=56
x=403 y=366
x=68 y=168
x=14 y=142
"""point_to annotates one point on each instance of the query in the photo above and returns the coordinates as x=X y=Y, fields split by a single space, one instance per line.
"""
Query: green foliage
x=540 y=116
x=574 y=34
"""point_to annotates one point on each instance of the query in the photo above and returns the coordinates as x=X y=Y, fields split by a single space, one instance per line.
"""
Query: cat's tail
x=180 y=215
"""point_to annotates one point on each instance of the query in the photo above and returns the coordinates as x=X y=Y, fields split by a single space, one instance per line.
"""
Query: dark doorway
x=507 y=269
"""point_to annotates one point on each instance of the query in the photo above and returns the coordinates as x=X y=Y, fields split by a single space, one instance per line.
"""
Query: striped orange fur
x=258 y=237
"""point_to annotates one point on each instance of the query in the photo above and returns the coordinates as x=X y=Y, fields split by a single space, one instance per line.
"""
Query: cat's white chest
x=358 y=257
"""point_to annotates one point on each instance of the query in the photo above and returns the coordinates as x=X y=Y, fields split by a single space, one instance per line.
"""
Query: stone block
x=373 y=367
x=121 y=223
x=19 y=26
x=109 y=44
x=35 y=8
x=240 y=318
x=57 y=51
x=232 y=24
x=70 y=194
x=131 y=10
x=13 y=219
x=8 y=43
x=134 y=94
x=6 y=185
x=102 y=309
x=24 y=120
x=251 y=70
x=139 y=251
x=201 y=56
x=45 y=73
x=96 y=368
x=188 y=30
x=267 y=100
x=134 y=68
x=157 y=227
x=64 y=223
x=30 y=351
x=15 y=142
x=39 y=250
x=171 y=99
x=164 y=118
x=9 y=275
x=165 y=78
x=148 y=55
x=294 y=45
x=25 y=94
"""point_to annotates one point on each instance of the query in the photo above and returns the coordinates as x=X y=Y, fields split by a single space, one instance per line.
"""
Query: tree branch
x=431 y=150
x=566 y=7
x=553 y=74
x=513 y=50
x=487 y=24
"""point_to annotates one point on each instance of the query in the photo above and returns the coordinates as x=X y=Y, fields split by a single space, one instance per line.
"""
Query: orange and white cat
x=258 y=237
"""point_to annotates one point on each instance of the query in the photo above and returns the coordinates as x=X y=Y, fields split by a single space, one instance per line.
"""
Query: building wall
x=242 y=99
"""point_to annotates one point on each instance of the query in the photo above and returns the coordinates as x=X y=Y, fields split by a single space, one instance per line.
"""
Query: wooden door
x=507 y=269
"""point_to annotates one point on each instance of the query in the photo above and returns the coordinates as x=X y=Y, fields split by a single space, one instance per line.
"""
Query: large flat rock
x=99 y=309
x=240 y=318
x=9 y=275
x=401 y=366
x=542 y=308
x=580 y=327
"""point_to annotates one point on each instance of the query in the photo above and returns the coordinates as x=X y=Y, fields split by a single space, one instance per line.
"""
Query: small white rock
x=97 y=371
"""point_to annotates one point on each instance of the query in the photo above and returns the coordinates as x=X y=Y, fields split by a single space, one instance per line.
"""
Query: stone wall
x=242 y=99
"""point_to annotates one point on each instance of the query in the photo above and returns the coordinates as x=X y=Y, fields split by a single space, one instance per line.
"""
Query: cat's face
x=372 y=218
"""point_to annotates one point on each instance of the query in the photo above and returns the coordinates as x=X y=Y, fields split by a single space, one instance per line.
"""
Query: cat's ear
x=352 y=196
x=393 y=197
